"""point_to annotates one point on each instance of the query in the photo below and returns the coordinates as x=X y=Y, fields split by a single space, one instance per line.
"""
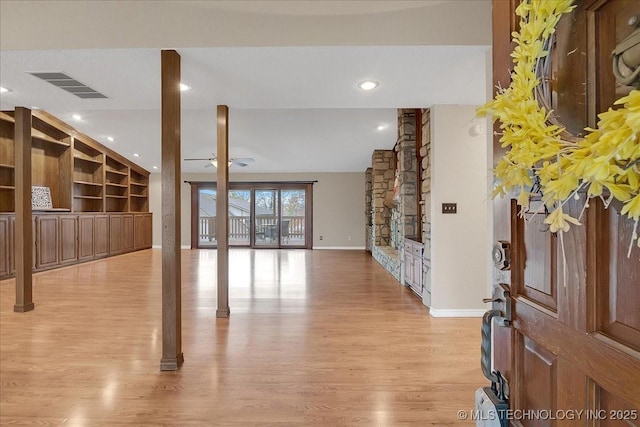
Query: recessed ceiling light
x=136 y=155
x=184 y=87
x=155 y=167
x=368 y=85
x=381 y=126
x=76 y=117
x=110 y=139
x=4 y=89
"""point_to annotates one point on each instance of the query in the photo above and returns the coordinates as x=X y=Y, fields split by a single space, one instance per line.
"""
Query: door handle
x=485 y=346
x=501 y=301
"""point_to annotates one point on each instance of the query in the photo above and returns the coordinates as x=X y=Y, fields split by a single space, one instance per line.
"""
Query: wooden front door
x=572 y=352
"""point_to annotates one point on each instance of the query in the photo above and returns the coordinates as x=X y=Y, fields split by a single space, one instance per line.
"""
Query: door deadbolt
x=501 y=255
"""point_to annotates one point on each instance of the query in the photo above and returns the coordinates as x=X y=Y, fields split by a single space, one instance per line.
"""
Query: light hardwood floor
x=315 y=338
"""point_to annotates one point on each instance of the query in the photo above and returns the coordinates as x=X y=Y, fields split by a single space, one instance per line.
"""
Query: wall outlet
x=321 y=237
x=449 y=208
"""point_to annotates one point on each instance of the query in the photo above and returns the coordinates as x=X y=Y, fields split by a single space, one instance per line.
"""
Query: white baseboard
x=457 y=313
x=160 y=247
x=342 y=248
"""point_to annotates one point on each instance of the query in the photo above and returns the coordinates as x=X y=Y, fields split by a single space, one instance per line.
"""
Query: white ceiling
x=292 y=108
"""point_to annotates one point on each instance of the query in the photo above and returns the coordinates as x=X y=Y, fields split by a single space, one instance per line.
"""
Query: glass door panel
x=207 y=223
x=266 y=215
x=292 y=223
x=239 y=217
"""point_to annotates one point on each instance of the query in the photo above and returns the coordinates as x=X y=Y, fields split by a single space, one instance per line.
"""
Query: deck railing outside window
x=240 y=226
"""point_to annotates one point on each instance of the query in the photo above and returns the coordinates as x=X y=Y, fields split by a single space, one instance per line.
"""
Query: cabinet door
x=101 y=235
x=46 y=241
x=417 y=274
x=12 y=245
x=408 y=265
x=142 y=231
x=68 y=239
x=127 y=233
x=85 y=237
x=4 y=246
x=115 y=234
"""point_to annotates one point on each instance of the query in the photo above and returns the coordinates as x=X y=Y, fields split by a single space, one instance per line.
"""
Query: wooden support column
x=24 y=221
x=222 y=211
x=172 y=356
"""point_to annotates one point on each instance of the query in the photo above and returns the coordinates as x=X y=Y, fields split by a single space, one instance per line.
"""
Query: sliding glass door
x=292 y=217
x=266 y=218
x=261 y=215
x=207 y=222
x=239 y=217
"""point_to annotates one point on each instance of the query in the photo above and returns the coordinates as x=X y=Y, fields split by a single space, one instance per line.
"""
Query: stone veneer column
x=408 y=169
x=382 y=175
x=368 y=195
x=425 y=153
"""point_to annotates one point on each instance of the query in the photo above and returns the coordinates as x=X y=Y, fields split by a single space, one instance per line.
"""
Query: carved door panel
x=47 y=228
x=127 y=233
x=115 y=234
x=574 y=343
x=68 y=239
x=101 y=235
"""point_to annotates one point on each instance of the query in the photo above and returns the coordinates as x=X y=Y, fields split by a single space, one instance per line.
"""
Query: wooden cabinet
x=142 y=230
x=4 y=246
x=68 y=239
x=46 y=241
x=101 y=235
x=94 y=194
x=65 y=239
x=413 y=265
x=127 y=233
x=115 y=234
x=86 y=239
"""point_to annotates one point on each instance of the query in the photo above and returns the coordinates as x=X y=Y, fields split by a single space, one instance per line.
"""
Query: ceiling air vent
x=69 y=84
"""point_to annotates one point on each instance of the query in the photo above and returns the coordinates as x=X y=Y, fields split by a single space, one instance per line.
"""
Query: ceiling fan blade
x=243 y=160
x=209 y=160
x=241 y=164
x=209 y=165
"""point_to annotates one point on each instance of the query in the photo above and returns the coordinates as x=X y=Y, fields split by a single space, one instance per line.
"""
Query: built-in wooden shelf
x=7 y=118
x=85 y=159
x=77 y=196
x=36 y=134
x=52 y=210
x=96 y=184
x=83 y=175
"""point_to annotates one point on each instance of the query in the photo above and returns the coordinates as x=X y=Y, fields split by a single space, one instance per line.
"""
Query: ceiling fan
x=213 y=161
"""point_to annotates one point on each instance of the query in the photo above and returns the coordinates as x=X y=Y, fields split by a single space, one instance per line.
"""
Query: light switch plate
x=449 y=208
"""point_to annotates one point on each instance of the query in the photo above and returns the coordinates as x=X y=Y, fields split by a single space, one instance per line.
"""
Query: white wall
x=460 y=244
x=338 y=205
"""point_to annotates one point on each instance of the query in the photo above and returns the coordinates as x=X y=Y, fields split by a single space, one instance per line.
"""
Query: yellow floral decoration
x=606 y=161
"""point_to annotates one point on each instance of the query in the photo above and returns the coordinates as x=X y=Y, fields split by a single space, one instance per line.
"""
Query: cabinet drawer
x=417 y=251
